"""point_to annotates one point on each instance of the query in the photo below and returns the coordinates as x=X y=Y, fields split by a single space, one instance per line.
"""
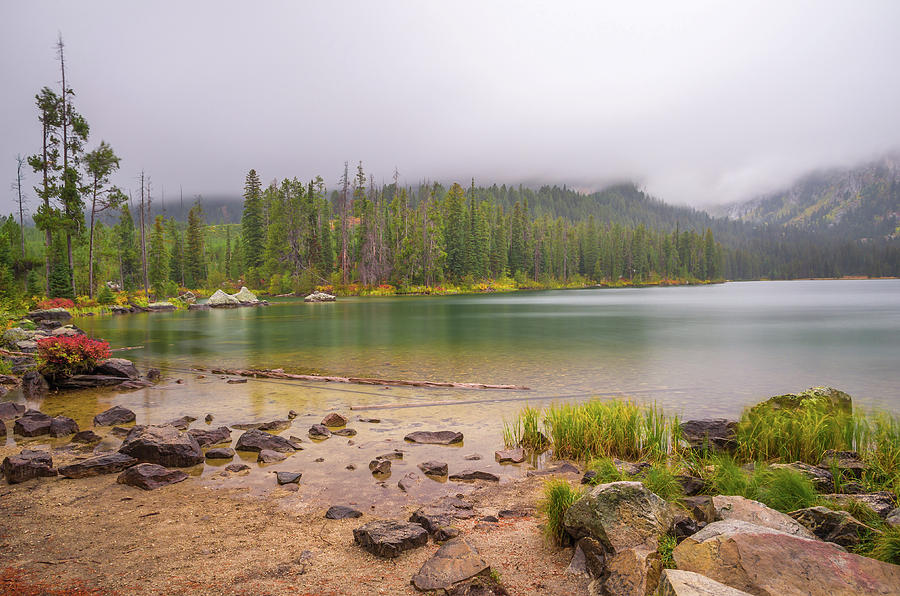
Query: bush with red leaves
x=63 y=356
x=55 y=303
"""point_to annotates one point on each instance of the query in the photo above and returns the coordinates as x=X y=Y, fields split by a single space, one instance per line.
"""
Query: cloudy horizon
x=701 y=103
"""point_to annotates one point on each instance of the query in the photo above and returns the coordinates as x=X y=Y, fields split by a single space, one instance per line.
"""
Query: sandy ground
x=195 y=538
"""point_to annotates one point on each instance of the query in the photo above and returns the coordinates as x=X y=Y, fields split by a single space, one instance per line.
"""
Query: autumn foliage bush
x=62 y=356
x=56 y=303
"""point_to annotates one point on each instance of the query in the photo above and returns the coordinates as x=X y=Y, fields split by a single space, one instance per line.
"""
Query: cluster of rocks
x=221 y=299
x=38 y=325
x=319 y=297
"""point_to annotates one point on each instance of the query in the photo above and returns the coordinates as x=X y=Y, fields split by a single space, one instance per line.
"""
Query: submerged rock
x=319 y=431
x=475 y=475
x=389 y=538
x=342 y=512
x=150 y=476
x=61 y=426
x=33 y=424
x=162 y=445
x=220 y=453
x=181 y=423
x=10 y=410
x=235 y=468
x=114 y=415
x=434 y=468
x=455 y=561
x=108 y=463
x=380 y=466
x=440 y=437
x=267 y=456
x=26 y=465
x=257 y=440
x=288 y=477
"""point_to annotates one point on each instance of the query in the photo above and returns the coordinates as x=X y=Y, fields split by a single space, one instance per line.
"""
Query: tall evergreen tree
x=252 y=225
x=158 y=266
x=195 y=259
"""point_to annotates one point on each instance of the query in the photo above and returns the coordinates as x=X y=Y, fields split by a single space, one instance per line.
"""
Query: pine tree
x=455 y=231
x=195 y=260
x=228 y=263
x=60 y=274
x=129 y=260
x=158 y=266
x=252 y=226
x=176 y=258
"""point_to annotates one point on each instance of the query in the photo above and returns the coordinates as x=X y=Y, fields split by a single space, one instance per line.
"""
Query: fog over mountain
x=698 y=102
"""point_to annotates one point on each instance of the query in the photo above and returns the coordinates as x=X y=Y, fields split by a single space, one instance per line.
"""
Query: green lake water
x=697 y=351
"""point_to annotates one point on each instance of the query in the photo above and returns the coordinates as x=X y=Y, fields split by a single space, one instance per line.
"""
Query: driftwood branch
x=280 y=374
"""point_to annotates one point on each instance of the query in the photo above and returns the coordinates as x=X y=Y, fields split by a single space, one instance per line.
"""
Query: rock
x=150 y=476
x=455 y=561
x=893 y=519
x=198 y=306
x=86 y=436
x=442 y=514
x=50 y=314
x=272 y=426
x=881 y=502
x=66 y=331
x=441 y=437
x=563 y=468
x=33 y=424
x=220 y=299
x=208 y=418
x=515 y=456
x=117 y=367
x=408 y=481
x=620 y=515
x=160 y=306
x=342 y=512
x=434 y=468
x=370 y=420
x=684 y=526
x=475 y=475
x=257 y=440
x=237 y=467
x=236 y=381
x=765 y=561
x=108 y=463
x=629 y=468
x=344 y=432
x=181 y=423
x=288 y=477
x=220 y=453
x=319 y=431
x=267 y=456
x=833 y=526
x=632 y=571
x=319 y=297
x=61 y=426
x=391 y=455
x=34 y=385
x=715 y=433
x=389 y=538
x=754 y=512
x=27 y=465
x=114 y=415
x=691 y=485
x=188 y=297
x=821 y=478
x=380 y=466
x=162 y=445
x=292 y=414
x=118 y=431
x=90 y=381
x=10 y=410
x=135 y=384
x=26 y=345
x=334 y=419
x=205 y=438
x=845 y=461
x=245 y=296
x=699 y=506
x=153 y=375
x=472 y=457
x=828 y=398
x=677 y=582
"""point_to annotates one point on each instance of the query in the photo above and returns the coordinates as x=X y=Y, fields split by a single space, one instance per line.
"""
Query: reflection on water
x=697 y=351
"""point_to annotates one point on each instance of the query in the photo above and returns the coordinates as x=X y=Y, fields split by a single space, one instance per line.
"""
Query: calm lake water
x=696 y=351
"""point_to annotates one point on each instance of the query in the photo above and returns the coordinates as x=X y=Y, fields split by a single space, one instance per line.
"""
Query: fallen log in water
x=280 y=374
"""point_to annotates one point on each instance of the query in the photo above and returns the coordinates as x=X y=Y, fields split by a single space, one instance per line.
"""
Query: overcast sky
x=699 y=102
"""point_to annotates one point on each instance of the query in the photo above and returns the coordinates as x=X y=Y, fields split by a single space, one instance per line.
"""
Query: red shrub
x=56 y=303
x=71 y=355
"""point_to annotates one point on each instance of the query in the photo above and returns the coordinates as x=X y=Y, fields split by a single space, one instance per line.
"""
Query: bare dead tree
x=143 y=244
x=20 y=161
x=345 y=186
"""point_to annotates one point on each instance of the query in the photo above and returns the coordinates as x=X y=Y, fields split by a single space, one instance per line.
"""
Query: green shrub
x=105 y=295
x=559 y=495
x=5 y=367
x=525 y=431
x=784 y=489
x=667 y=544
x=606 y=471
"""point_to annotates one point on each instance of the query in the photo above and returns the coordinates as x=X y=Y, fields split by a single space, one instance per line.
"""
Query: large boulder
x=319 y=297
x=827 y=398
x=833 y=526
x=881 y=502
x=257 y=440
x=27 y=465
x=33 y=424
x=439 y=437
x=117 y=367
x=108 y=463
x=50 y=314
x=454 y=562
x=634 y=571
x=220 y=299
x=205 y=438
x=114 y=415
x=715 y=434
x=10 y=410
x=150 y=476
x=821 y=478
x=767 y=562
x=62 y=426
x=754 y=512
x=677 y=582
x=245 y=296
x=389 y=538
x=160 y=306
x=163 y=445
x=620 y=515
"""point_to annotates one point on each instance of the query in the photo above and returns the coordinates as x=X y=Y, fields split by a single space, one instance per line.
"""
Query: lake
x=698 y=351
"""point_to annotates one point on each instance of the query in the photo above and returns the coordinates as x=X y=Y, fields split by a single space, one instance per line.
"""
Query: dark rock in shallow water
x=370 y=420
x=34 y=385
x=715 y=434
x=391 y=455
x=237 y=467
x=114 y=415
x=86 y=436
x=341 y=512
x=288 y=477
x=344 y=432
x=153 y=375
x=434 y=468
x=515 y=456
x=27 y=465
x=181 y=423
x=475 y=475
x=292 y=414
x=33 y=424
x=380 y=466
x=62 y=426
x=162 y=445
x=109 y=463
x=205 y=438
x=267 y=456
x=389 y=538
x=272 y=426
x=117 y=367
x=236 y=381
x=10 y=410
x=220 y=453
x=440 y=437
x=88 y=381
x=122 y=432
x=208 y=419
x=334 y=420
x=472 y=457
x=257 y=440
x=150 y=476
x=319 y=431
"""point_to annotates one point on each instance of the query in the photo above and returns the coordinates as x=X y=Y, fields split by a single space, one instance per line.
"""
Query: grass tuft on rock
x=559 y=495
x=887 y=546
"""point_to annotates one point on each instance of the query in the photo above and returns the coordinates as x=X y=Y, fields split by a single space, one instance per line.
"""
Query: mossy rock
x=825 y=398
x=27 y=325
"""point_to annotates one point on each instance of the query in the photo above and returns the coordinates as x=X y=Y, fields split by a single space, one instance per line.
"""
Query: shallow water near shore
x=696 y=351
